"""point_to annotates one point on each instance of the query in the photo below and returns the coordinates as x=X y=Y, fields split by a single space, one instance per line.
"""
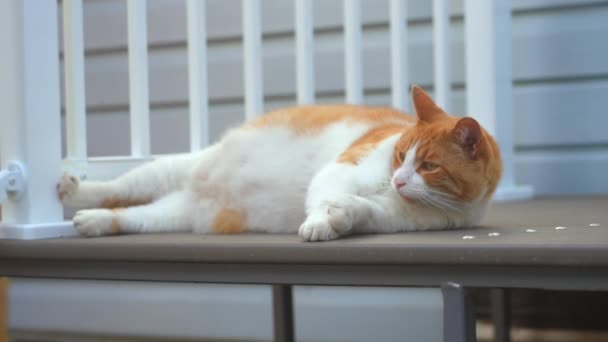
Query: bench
x=552 y=243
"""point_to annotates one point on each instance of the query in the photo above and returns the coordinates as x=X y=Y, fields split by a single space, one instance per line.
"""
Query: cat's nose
x=399 y=183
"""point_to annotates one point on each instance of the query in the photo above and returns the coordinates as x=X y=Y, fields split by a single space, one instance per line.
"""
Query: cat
x=323 y=171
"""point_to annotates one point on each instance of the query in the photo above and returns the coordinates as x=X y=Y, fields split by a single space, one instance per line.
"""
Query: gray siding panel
x=578 y=171
x=561 y=114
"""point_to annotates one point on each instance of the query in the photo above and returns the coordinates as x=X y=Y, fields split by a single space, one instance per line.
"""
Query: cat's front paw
x=340 y=215
x=67 y=189
x=329 y=223
x=95 y=222
x=317 y=229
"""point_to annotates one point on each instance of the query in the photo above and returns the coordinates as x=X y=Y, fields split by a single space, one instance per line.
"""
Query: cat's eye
x=428 y=166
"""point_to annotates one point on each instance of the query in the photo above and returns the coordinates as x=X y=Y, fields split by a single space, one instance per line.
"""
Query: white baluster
x=352 y=51
x=489 y=82
x=399 y=60
x=138 y=78
x=75 y=104
x=252 y=49
x=441 y=53
x=197 y=73
x=305 y=53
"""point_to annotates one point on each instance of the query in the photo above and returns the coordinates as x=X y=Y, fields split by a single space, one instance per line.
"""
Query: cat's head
x=444 y=161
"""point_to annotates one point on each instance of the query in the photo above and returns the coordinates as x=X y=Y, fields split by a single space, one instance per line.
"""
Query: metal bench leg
x=458 y=314
x=501 y=314
x=282 y=304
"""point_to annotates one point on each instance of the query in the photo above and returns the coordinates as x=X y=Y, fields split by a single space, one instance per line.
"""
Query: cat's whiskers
x=449 y=201
x=444 y=204
x=435 y=198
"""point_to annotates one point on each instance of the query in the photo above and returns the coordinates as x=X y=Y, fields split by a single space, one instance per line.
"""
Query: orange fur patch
x=312 y=119
x=228 y=221
x=115 y=228
x=111 y=203
x=362 y=146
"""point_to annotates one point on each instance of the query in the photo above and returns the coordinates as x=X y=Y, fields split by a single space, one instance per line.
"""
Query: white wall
x=560 y=65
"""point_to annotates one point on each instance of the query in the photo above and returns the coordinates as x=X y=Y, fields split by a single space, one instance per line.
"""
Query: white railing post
x=30 y=126
x=399 y=60
x=252 y=50
x=441 y=53
x=197 y=73
x=138 y=78
x=75 y=104
x=352 y=51
x=489 y=83
x=305 y=53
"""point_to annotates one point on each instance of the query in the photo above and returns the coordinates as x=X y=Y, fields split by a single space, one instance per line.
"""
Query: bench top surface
x=520 y=233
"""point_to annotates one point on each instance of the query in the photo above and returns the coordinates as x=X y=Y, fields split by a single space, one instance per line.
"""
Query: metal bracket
x=12 y=180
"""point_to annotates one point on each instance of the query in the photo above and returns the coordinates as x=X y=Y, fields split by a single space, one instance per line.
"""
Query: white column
x=252 y=56
x=197 y=73
x=30 y=126
x=399 y=60
x=352 y=51
x=305 y=53
x=489 y=82
x=138 y=78
x=441 y=53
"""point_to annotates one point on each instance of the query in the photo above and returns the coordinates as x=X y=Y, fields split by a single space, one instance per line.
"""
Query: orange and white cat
x=321 y=171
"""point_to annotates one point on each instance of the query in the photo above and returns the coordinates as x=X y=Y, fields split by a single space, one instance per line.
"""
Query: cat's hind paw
x=67 y=188
x=95 y=222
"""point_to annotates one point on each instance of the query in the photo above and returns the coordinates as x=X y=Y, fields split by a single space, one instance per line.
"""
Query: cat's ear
x=424 y=106
x=467 y=133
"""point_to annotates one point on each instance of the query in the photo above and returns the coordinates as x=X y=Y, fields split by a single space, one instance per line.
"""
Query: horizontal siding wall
x=560 y=65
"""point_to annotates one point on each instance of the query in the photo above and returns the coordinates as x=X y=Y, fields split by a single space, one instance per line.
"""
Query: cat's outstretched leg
x=173 y=213
x=326 y=219
x=141 y=185
x=333 y=207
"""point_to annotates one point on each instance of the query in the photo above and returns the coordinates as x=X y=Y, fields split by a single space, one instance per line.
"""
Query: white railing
x=75 y=102
x=252 y=57
x=197 y=72
x=399 y=61
x=139 y=98
x=305 y=53
x=441 y=56
x=30 y=106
